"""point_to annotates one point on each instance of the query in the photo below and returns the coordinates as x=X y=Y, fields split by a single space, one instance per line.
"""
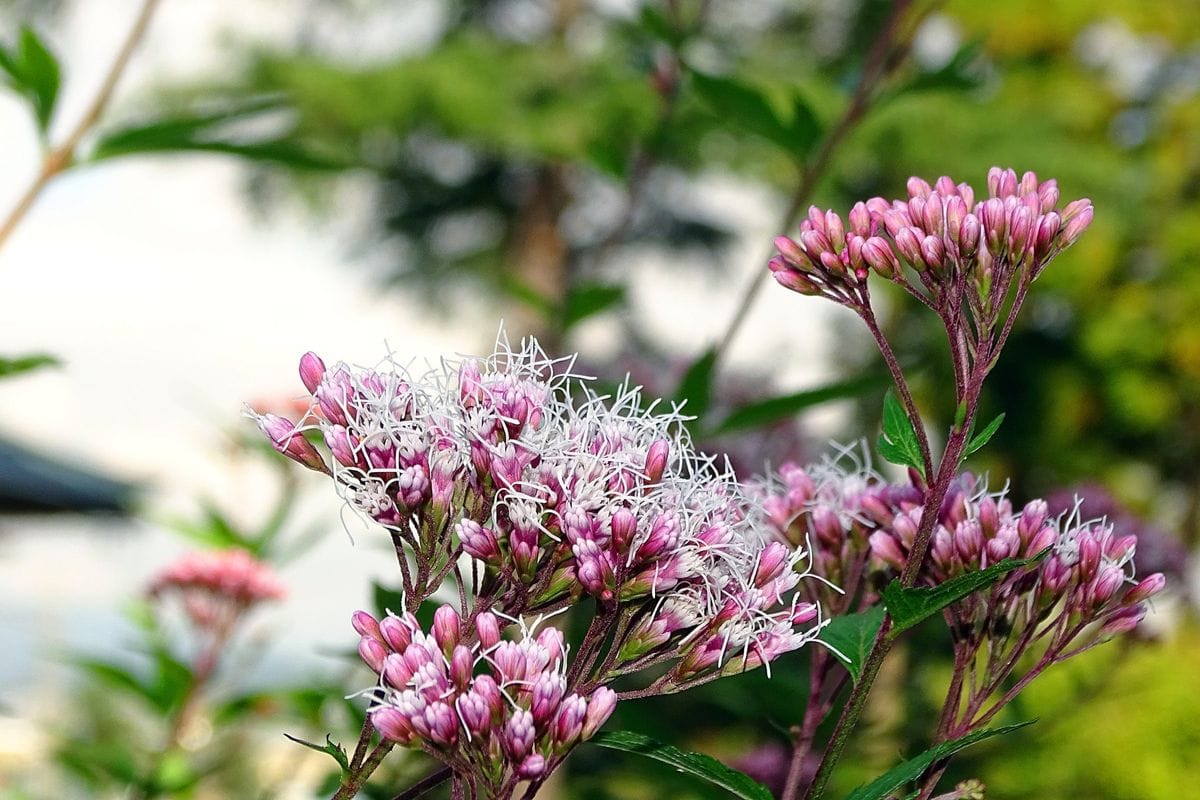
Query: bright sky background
x=171 y=305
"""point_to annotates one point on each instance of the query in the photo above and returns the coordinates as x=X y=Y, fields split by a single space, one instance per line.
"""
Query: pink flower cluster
x=1087 y=574
x=941 y=233
x=496 y=711
x=216 y=585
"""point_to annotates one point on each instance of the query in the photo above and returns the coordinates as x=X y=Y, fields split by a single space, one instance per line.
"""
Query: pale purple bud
x=967 y=194
x=478 y=541
x=1055 y=575
x=860 y=220
x=905 y=528
x=1028 y=185
x=312 y=370
x=945 y=186
x=486 y=689
x=989 y=516
x=397 y=635
x=623 y=525
x=831 y=262
x=878 y=255
x=441 y=722
x=337 y=439
x=1045 y=537
x=551 y=640
x=918 y=187
x=1123 y=621
x=569 y=722
x=968 y=540
x=994 y=222
x=934 y=216
x=1018 y=232
x=1089 y=555
x=956 y=212
x=470 y=384
x=968 y=236
x=1145 y=589
x=599 y=708
x=895 y=221
x=475 y=713
x=854 y=253
x=1000 y=548
x=1120 y=547
x=547 y=693
x=886 y=549
x=446 y=624
x=656 y=460
x=771 y=563
x=942 y=548
x=392 y=724
x=916 y=212
x=288 y=440
x=1008 y=183
x=1077 y=222
x=1109 y=578
x=803 y=612
x=488 y=627
x=462 y=663
x=372 y=651
x=509 y=659
x=533 y=767
x=1032 y=517
x=366 y=625
x=815 y=243
x=1048 y=195
x=396 y=671
x=518 y=735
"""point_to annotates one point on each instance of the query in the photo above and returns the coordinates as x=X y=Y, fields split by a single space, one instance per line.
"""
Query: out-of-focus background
x=354 y=177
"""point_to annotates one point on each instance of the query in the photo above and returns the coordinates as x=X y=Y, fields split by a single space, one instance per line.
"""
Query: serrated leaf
x=589 y=299
x=910 y=607
x=852 y=636
x=984 y=436
x=898 y=443
x=912 y=769
x=40 y=75
x=331 y=747
x=704 y=767
x=26 y=363
x=744 y=106
x=695 y=388
x=774 y=409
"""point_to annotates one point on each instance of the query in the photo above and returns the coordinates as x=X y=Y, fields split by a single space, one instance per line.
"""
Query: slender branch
x=61 y=157
x=874 y=70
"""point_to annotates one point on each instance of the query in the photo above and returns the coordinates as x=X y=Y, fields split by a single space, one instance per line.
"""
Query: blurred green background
x=574 y=166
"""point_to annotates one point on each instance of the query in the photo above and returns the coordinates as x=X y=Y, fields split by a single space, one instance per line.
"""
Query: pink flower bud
x=337 y=439
x=396 y=671
x=885 y=548
x=1089 y=555
x=1123 y=621
x=446 y=624
x=656 y=460
x=878 y=255
x=788 y=278
x=397 y=635
x=441 y=722
x=533 y=767
x=908 y=242
x=934 y=216
x=1109 y=578
x=569 y=722
x=1045 y=537
x=1028 y=185
x=1077 y=221
x=599 y=708
x=312 y=370
x=803 y=612
x=793 y=254
x=1019 y=230
x=968 y=541
x=545 y=696
x=1047 y=195
x=461 y=665
x=488 y=628
x=945 y=186
x=968 y=236
x=287 y=439
x=475 y=713
x=918 y=187
x=1032 y=517
x=477 y=541
x=835 y=230
x=860 y=220
x=366 y=625
x=519 y=735
x=393 y=725
x=1145 y=589
x=372 y=652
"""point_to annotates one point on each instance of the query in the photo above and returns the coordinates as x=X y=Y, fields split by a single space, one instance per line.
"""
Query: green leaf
x=589 y=299
x=743 y=106
x=27 y=363
x=984 y=436
x=214 y=133
x=910 y=607
x=699 y=765
x=331 y=747
x=912 y=769
x=40 y=75
x=695 y=389
x=898 y=443
x=852 y=635
x=773 y=409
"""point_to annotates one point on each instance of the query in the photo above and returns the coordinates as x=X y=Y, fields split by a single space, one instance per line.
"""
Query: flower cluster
x=497 y=711
x=942 y=234
x=511 y=476
x=216 y=587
